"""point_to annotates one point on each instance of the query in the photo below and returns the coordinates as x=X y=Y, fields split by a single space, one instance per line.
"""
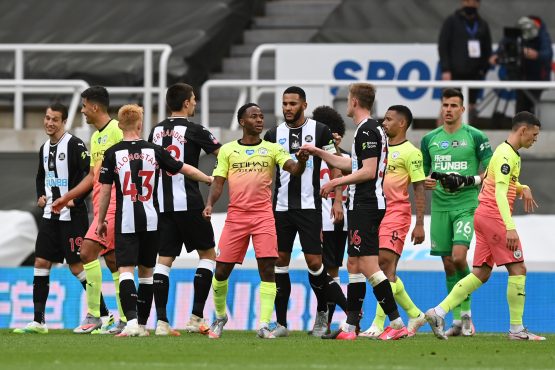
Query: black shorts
x=334 y=246
x=184 y=227
x=138 y=248
x=57 y=239
x=364 y=225
x=307 y=222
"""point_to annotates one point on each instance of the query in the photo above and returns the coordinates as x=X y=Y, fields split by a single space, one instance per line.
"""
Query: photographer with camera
x=464 y=47
x=526 y=53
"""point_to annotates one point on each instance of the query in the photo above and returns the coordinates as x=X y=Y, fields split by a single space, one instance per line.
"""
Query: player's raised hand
x=512 y=240
x=529 y=203
x=58 y=204
x=207 y=213
x=418 y=234
x=41 y=202
x=310 y=149
x=336 y=138
x=302 y=155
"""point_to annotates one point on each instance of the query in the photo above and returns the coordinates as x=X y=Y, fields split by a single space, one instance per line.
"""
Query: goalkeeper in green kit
x=453 y=154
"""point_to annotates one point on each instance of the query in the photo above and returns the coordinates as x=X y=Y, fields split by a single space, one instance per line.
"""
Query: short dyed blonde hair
x=129 y=115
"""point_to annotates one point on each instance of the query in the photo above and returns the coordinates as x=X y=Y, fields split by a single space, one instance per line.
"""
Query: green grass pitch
x=61 y=349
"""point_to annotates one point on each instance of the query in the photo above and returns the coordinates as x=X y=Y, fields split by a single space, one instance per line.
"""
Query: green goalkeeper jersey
x=461 y=152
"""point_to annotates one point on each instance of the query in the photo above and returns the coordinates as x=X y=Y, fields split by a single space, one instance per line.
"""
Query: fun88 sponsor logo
x=387 y=71
x=52 y=181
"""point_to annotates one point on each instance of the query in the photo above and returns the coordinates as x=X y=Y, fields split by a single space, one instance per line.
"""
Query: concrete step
x=305 y=7
x=279 y=35
x=243 y=50
x=267 y=63
x=294 y=21
x=241 y=75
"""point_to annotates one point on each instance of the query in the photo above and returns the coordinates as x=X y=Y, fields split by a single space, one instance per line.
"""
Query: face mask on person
x=470 y=10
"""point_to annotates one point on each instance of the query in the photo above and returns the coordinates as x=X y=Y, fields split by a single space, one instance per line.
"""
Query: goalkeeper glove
x=453 y=182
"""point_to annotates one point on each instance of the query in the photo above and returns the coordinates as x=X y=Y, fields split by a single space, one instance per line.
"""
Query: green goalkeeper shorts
x=450 y=228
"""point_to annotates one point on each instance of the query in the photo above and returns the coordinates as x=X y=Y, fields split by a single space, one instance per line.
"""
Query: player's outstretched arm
x=331 y=158
x=83 y=188
x=215 y=192
x=103 y=203
x=195 y=174
x=296 y=168
x=418 y=234
x=366 y=173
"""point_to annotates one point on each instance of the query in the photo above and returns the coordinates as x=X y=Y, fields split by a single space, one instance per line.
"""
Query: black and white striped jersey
x=370 y=141
x=133 y=166
x=327 y=204
x=184 y=140
x=300 y=192
x=61 y=167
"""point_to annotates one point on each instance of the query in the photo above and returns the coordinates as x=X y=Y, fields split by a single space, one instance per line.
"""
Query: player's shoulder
x=409 y=149
x=114 y=148
x=75 y=140
x=230 y=146
x=474 y=132
x=506 y=150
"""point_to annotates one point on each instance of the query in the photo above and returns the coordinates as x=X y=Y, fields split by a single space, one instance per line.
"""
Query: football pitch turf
x=61 y=349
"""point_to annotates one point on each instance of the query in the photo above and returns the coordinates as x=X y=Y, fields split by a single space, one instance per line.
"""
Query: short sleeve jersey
x=133 y=167
x=62 y=166
x=102 y=140
x=184 y=140
x=404 y=166
x=504 y=167
x=370 y=142
x=461 y=152
x=249 y=170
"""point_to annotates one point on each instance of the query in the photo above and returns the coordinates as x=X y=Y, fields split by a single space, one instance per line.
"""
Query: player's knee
x=76 y=268
x=41 y=263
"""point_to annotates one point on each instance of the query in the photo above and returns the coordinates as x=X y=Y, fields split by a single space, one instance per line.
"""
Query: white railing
x=148 y=89
x=73 y=87
x=244 y=85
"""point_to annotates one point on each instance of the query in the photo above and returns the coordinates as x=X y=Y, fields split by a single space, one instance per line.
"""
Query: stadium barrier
x=148 y=89
x=66 y=305
x=327 y=85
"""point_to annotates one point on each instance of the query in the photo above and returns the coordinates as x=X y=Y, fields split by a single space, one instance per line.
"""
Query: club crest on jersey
x=308 y=138
x=103 y=139
x=517 y=254
x=61 y=156
x=295 y=145
x=444 y=144
x=262 y=151
x=282 y=141
x=395 y=155
x=249 y=151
